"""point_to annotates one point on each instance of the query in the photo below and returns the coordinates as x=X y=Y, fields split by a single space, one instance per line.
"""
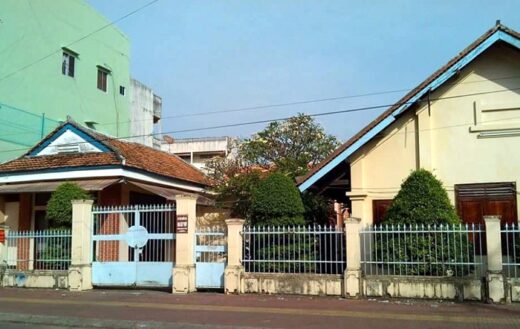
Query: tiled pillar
x=24 y=249
x=234 y=268
x=80 y=270
x=494 y=274
x=352 y=276
x=4 y=232
x=184 y=270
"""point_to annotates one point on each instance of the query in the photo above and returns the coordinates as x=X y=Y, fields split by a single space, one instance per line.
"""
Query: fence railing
x=511 y=250
x=296 y=249
x=39 y=250
x=423 y=250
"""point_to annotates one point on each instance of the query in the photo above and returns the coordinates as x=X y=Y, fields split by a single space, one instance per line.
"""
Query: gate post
x=352 y=275
x=184 y=270
x=80 y=270
x=494 y=274
x=234 y=268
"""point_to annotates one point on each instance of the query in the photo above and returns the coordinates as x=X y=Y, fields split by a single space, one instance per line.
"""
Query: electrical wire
x=309 y=101
x=311 y=115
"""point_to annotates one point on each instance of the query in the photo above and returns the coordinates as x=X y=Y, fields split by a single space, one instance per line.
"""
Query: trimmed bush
x=423 y=201
x=277 y=201
x=59 y=208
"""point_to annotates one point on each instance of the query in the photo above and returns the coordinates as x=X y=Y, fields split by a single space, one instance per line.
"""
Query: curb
x=77 y=322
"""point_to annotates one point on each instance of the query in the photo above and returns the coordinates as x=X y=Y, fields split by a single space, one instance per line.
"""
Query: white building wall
x=145 y=113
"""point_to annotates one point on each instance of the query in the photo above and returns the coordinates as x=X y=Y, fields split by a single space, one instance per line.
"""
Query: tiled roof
x=123 y=153
x=407 y=98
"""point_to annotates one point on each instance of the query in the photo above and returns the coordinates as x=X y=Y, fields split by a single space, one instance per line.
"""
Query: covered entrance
x=133 y=245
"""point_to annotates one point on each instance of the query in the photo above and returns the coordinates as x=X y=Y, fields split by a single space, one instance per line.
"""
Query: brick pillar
x=184 y=270
x=23 y=249
x=494 y=275
x=234 y=268
x=110 y=223
x=80 y=270
x=352 y=276
x=4 y=232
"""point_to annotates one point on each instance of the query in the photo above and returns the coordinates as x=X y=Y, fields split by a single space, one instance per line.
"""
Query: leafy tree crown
x=59 y=208
x=292 y=146
x=421 y=200
x=277 y=201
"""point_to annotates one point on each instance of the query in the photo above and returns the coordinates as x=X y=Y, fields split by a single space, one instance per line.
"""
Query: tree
x=277 y=201
x=292 y=146
x=421 y=200
x=59 y=208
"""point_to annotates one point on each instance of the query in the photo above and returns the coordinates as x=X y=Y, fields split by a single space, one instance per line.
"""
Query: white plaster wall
x=69 y=138
x=141 y=113
x=445 y=144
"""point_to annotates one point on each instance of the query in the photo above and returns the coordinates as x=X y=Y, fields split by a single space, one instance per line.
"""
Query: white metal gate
x=133 y=245
x=211 y=257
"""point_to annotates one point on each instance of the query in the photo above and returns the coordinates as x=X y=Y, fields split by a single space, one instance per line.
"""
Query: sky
x=217 y=55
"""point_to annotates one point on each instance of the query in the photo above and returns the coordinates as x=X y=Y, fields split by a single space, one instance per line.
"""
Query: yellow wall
x=446 y=140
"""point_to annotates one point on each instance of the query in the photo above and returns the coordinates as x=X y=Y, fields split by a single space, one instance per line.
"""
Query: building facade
x=53 y=66
x=197 y=151
x=145 y=115
x=462 y=123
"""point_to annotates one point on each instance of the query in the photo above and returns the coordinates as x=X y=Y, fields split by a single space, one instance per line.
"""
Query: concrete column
x=494 y=276
x=80 y=270
x=352 y=276
x=360 y=206
x=184 y=270
x=234 y=268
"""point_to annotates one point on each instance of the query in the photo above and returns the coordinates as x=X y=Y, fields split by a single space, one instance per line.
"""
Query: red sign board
x=2 y=236
x=182 y=224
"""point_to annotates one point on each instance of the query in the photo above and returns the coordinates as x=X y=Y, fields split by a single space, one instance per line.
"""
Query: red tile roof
x=407 y=98
x=123 y=153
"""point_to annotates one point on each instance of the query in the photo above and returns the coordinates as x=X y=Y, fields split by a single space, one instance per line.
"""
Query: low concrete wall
x=513 y=289
x=36 y=279
x=298 y=284
x=423 y=287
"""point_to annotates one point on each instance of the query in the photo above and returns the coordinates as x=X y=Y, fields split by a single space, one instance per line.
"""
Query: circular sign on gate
x=137 y=236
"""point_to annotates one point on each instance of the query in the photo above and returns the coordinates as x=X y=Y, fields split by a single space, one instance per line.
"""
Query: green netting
x=23 y=128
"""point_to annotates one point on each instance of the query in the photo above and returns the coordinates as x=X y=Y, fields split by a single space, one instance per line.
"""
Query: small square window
x=68 y=64
x=122 y=90
x=102 y=79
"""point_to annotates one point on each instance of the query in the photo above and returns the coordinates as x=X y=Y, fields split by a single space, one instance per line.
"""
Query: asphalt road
x=25 y=308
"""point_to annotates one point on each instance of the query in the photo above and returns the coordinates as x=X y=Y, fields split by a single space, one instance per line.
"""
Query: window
x=102 y=79
x=68 y=63
x=122 y=90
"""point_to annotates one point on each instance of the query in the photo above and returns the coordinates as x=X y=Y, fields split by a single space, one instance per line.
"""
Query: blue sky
x=211 y=55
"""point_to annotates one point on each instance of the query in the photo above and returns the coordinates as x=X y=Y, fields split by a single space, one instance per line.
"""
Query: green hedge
x=422 y=200
x=277 y=202
x=59 y=207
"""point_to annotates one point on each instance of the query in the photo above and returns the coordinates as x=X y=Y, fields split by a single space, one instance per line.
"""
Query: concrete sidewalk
x=153 y=309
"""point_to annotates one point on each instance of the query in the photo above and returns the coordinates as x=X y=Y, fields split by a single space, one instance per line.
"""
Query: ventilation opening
x=67 y=148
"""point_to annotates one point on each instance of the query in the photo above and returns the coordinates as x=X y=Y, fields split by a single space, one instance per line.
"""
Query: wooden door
x=379 y=210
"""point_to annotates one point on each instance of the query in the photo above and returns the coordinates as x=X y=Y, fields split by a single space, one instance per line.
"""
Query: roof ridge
x=403 y=100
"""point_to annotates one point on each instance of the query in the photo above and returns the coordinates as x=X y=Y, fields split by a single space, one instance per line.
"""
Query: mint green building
x=46 y=74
